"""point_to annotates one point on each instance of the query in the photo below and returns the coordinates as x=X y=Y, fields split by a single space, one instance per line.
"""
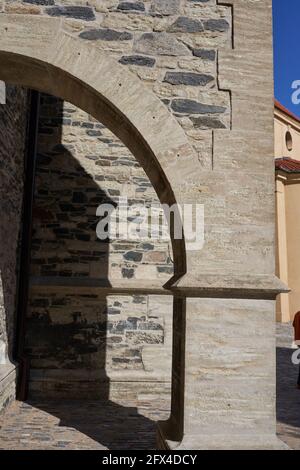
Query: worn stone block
x=105 y=34
x=186 y=25
x=188 y=78
x=193 y=107
x=77 y=12
x=160 y=44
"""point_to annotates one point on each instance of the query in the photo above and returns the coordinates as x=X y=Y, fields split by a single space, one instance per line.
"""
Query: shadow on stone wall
x=66 y=331
x=13 y=118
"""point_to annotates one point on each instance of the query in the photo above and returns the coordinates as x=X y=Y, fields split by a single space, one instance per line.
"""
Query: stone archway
x=223 y=377
x=54 y=62
x=118 y=99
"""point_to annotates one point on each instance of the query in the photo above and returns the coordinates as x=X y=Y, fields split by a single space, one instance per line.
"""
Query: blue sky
x=286 y=28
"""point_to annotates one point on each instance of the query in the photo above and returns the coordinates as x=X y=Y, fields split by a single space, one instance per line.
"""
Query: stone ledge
x=91 y=375
x=207 y=285
x=229 y=286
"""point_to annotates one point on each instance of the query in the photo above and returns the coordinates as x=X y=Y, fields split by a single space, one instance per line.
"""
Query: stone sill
x=221 y=285
x=73 y=375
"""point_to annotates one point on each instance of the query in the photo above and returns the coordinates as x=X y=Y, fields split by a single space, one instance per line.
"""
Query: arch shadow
x=64 y=66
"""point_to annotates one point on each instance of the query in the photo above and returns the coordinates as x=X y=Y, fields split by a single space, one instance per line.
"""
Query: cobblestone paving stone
x=95 y=425
x=80 y=425
x=288 y=396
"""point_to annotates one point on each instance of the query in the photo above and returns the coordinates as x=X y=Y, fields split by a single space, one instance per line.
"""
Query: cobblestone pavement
x=80 y=425
x=94 y=425
x=288 y=396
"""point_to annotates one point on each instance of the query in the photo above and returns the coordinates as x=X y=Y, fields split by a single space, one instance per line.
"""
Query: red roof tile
x=286 y=111
x=287 y=164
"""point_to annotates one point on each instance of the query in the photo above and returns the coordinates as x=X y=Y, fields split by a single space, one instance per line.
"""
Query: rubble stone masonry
x=81 y=164
x=13 y=118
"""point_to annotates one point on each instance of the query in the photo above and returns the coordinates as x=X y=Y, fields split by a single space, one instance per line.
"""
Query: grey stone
x=160 y=44
x=194 y=107
x=184 y=24
x=220 y=25
x=165 y=7
x=137 y=60
x=78 y=12
x=188 y=78
x=105 y=34
x=133 y=256
x=205 y=54
x=93 y=133
x=165 y=269
x=137 y=6
x=128 y=273
x=40 y=2
x=207 y=123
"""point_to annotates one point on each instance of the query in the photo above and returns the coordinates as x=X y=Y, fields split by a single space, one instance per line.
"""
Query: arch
x=37 y=53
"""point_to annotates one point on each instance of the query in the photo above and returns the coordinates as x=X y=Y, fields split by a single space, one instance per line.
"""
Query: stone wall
x=73 y=51
x=73 y=334
x=13 y=118
x=171 y=45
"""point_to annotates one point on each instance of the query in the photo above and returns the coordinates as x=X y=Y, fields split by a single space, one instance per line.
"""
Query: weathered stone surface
x=238 y=254
x=165 y=7
x=188 y=78
x=138 y=60
x=220 y=25
x=22 y=8
x=207 y=123
x=160 y=44
x=78 y=12
x=13 y=116
x=248 y=351
x=127 y=6
x=64 y=246
x=40 y=2
x=186 y=25
x=133 y=256
x=105 y=34
x=194 y=107
x=205 y=54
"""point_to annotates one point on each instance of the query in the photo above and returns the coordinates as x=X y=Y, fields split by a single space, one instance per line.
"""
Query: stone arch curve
x=37 y=53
